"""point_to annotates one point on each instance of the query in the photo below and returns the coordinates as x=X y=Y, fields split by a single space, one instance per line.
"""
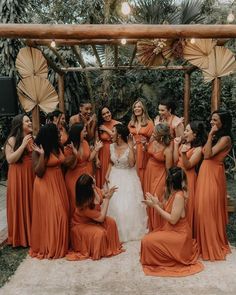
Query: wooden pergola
x=76 y=35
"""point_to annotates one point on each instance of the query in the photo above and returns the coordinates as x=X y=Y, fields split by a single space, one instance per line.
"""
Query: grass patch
x=10 y=259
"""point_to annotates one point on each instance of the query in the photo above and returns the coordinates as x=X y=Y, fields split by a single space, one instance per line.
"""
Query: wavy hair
x=174 y=180
x=84 y=192
x=225 y=130
x=163 y=129
x=145 y=117
x=199 y=129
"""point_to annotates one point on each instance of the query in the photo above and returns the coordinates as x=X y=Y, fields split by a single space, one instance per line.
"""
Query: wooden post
x=61 y=87
x=35 y=120
x=187 y=84
x=215 y=94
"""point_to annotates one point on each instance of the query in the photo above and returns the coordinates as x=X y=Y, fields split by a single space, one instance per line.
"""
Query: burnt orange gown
x=83 y=166
x=154 y=183
x=170 y=251
x=91 y=239
x=50 y=226
x=104 y=154
x=191 y=180
x=141 y=155
x=211 y=215
x=20 y=201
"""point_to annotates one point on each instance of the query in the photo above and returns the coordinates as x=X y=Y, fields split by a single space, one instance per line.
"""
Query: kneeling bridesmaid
x=93 y=234
x=170 y=250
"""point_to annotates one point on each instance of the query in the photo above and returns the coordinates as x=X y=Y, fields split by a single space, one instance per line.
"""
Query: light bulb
x=123 y=41
x=125 y=8
x=230 y=17
x=192 y=40
x=53 y=44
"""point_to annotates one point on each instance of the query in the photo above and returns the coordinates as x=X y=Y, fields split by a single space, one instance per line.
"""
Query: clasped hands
x=152 y=201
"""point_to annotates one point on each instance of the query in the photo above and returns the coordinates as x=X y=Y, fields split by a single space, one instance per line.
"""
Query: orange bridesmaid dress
x=50 y=227
x=141 y=155
x=91 y=239
x=19 y=200
x=83 y=166
x=170 y=251
x=211 y=215
x=104 y=153
x=191 y=180
x=173 y=123
x=155 y=183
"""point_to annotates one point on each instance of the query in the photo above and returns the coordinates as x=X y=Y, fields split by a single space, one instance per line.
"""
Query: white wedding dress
x=125 y=205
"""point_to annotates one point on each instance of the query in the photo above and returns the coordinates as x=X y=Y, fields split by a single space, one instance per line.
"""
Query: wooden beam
x=52 y=64
x=35 y=120
x=215 y=95
x=108 y=68
x=76 y=50
x=133 y=55
x=187 y=84
x=62 y=61
x=118 y=31
x=61 y=90
x=97 y=55
x=71 y=42
x=116 y=55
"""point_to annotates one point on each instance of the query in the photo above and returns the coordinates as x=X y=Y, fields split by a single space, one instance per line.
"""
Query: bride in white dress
x=126 y=205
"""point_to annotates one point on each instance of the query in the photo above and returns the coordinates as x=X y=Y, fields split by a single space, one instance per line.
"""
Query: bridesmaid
x=141 y=127
x=18 y=152
x=78 y=159
x=188 y=156
x=49 y=232
x=171 y=251
x=211 y=196
x=167 y=114
x=105 y=125
x=93 y=234
x=160 y=160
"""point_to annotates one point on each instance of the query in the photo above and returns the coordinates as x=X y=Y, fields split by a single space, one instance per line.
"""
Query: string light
x=123 y=41
x=230 y=17
x=125 y=8
x=192 y=40
x=53 y=44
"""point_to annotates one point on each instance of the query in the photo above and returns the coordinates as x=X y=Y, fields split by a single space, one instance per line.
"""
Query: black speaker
x=8 y=97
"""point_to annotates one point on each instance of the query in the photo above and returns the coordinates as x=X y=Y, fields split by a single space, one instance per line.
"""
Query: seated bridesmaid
x=93 y=234
x=171 y=251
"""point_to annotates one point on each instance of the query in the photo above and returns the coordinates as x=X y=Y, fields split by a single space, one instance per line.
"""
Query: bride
x=125 y=206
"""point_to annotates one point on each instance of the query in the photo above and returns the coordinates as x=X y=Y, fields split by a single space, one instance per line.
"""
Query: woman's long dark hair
x=168 y=101
x=17 y=133
x=174 y=180
x=199 y=129
x=56 y=113
x=225 y=130
x=123 y=131
x=48 y=137
x=74 y=134
x=100 y=118
x=84 y=192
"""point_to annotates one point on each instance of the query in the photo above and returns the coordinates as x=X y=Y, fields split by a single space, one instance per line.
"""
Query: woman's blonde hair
x=164 y=130
x=145 y=117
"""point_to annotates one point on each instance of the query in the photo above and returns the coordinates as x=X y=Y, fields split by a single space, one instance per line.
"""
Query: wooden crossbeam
x=61 y=59
x=71 y=42
x=79 y=56
x=108 y=68
x=118 y=31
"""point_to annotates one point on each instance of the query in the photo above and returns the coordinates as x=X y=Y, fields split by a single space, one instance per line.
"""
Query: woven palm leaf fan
x=221 y=63
x=149 y=52
x=37 y=91
x=197 y=53
x=31 y=62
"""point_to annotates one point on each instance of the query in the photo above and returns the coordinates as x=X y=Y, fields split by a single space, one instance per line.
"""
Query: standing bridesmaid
x=160 y=160
x=20 y=181
x=141 y=127
x=105 y=125
x=171 y=251
x=78 y=159
x=49 y=232
x=211 y=196
x=188 y=156
x=167 y=115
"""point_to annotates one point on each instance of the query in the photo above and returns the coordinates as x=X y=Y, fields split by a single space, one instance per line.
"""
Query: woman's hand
x=108 y=193
x=26 y=140
x=98 y=145
x=185 y=148
x=98 y=163
x=38 y=149
x=214 y=129
x=178 y=140
x=151 y=200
